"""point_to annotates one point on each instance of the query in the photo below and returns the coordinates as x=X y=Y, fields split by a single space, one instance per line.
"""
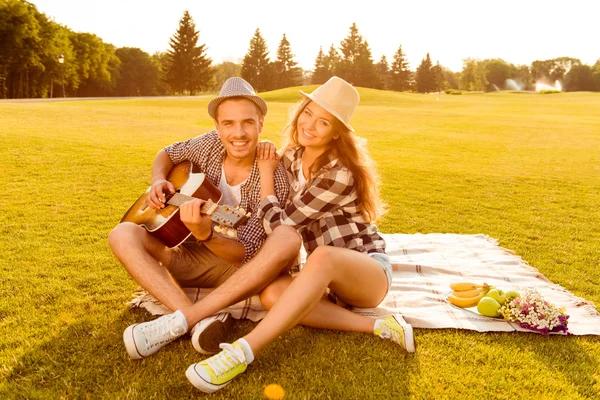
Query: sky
x=519 y=32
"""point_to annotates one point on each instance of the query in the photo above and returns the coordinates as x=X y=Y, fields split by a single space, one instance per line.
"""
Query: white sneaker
x=209 y=333
x=142 y=340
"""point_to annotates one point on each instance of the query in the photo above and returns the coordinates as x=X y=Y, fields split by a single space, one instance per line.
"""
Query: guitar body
x=165 y=224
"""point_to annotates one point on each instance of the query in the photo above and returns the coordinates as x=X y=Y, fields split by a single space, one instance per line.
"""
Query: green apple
x=489 y=307
x=498 y=295
x=512 y=294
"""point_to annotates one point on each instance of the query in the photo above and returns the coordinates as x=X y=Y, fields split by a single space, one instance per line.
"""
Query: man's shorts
x=194 y=265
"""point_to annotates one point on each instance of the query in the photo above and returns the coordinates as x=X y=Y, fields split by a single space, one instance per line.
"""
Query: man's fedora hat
x=338 y=97
x=236 y=87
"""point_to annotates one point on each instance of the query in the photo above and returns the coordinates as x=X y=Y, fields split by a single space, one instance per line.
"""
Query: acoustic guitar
x=165 y=224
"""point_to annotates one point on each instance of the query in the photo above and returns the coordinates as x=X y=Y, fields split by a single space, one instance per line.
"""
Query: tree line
x=41 y=58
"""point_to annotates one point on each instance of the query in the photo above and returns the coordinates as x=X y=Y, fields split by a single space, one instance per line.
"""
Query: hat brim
x=327 y=107
x=214 y=103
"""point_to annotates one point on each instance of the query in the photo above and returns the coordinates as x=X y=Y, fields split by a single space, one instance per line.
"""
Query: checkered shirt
x=206 y=152
x=326 y=213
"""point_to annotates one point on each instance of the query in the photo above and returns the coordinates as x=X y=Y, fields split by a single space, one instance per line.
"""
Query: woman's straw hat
x=338 y=97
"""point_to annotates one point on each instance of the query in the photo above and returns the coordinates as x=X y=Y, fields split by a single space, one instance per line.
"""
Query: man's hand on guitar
x=199 y=224
x=156 y=198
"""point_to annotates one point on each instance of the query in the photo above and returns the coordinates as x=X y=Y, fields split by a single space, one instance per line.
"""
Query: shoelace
x=159 y=332
x=388 y=332
x=226 y=360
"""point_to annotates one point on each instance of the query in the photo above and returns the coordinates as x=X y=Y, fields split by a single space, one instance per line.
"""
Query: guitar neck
x=179 y=199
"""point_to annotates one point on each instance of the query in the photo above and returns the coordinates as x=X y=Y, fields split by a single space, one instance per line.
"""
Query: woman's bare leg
x=356 y=278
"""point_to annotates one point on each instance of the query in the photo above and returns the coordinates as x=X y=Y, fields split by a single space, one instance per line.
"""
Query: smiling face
x=238 y=123
x=315 y=127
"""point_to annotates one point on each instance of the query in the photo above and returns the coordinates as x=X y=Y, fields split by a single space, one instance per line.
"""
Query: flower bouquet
x=531 y=311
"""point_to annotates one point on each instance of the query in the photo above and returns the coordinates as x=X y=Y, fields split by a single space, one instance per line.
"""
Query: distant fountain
x=511 y=84
x=495 y=87
x=539 y=86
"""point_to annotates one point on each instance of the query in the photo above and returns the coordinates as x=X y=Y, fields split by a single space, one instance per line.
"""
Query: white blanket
x=423 y=266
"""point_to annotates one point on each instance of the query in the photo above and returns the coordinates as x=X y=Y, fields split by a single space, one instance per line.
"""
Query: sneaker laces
x=387 y=332
x=226 y=360
x=159 y=332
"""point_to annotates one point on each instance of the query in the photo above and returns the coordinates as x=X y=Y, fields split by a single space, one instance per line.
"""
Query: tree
x=187 y=69
x=138 y=73
x=321 y=73
x=498 y=71
x=286 y=70
x=332 y=61
x=473 y=75
x=552 y=70
x=439 y=79
x=400 y=73
x=383 y=72
x=522 y=76
x=356 y=65
x=97 y=65
x=596 y=75
x=255 y=66
x=451 y=78
x=425 y=76
x=224 y=71
x=580 y=78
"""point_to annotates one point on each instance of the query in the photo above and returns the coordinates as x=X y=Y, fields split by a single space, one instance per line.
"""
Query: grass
x=523 y=169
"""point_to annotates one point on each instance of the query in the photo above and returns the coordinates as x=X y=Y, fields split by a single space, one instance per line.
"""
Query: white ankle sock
x=181 y=319
x=378 y=322
x=247 y=350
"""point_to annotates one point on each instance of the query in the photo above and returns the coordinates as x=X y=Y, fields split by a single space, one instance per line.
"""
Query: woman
x=333 y=206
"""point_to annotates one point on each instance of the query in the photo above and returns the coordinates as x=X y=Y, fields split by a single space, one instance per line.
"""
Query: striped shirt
x=207 y=153
x=326 y=212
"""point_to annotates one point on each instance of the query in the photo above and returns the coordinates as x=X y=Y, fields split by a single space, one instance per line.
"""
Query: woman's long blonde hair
x=352 y=153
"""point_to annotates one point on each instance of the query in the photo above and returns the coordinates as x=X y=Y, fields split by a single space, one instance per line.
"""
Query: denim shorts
x=385 y=262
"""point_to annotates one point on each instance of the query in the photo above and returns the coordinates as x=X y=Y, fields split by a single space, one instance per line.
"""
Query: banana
x=467 y=293
x=466 y=302
x=462 y=286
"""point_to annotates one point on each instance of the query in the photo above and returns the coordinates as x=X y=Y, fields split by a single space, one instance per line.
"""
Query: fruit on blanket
x=497 y=294
x=467 y=293
x=512 y=294
x=489 y=307
x=471 y=293
x=463 y=286
x=466 y=302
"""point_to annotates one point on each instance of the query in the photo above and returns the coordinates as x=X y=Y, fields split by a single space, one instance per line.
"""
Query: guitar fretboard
x=178 y=199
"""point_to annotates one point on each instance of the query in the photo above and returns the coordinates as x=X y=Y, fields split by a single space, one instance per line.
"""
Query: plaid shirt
x=206 y=152
x=326 y=212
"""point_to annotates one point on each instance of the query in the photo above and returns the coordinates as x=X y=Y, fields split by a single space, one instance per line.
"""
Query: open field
x=522 y=168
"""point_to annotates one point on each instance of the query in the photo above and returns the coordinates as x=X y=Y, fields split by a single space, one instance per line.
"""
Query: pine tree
x=320 y=74
x=286 y=70
x=383 y=70
x=400 y=73
x=187 y=68
x=255 y=66
x=356 y=65
x=332 y=61
x=439 y=78
x=424 y=76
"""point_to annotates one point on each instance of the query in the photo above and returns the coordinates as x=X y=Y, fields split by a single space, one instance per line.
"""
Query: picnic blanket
x=423 y=267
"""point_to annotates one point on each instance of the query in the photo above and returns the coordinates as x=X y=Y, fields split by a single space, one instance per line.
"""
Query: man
x=227 y=156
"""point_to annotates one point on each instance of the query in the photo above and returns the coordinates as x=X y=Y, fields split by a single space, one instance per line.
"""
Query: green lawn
x=522 y=168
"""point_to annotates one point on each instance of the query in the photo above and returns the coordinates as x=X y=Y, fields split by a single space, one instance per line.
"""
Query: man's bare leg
x=145 y=259
x=279 y=250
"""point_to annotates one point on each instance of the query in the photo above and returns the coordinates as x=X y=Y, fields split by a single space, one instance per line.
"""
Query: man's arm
x=200 y=225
